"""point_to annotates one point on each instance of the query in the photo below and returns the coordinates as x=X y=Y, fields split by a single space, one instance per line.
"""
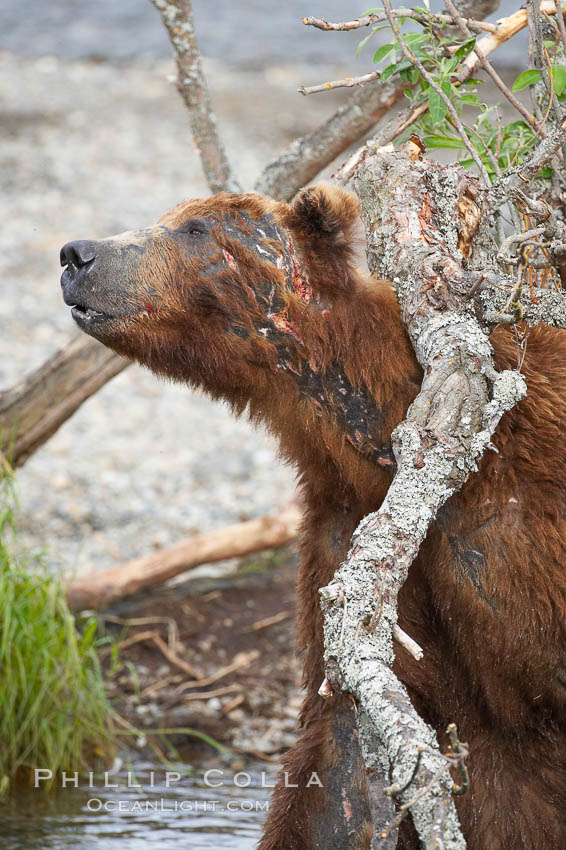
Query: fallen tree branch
x=33 y=410
x=294 y=168
x=177 y=16
x=447 y=428
x=99 y=590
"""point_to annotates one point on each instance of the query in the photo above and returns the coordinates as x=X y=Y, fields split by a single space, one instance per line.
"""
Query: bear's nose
x=79 y=253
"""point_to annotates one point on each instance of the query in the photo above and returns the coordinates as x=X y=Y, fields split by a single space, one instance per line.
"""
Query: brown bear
x=264 y=304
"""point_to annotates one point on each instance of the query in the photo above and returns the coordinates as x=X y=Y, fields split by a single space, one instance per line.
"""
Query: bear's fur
x=262 y=304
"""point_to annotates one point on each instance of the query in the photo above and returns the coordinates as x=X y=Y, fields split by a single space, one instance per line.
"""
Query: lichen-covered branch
x=294 y=168
x=177 y=16
x=549 y=306
x=413 y=214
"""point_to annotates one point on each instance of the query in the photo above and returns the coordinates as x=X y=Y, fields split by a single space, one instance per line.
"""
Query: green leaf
x=436 y=106
x=559 y=78
x=465 y=48
x=365 y=40
x=388 y=72
x=450 y=65
x=409 y=75
x=470 y=99
x=527 y=78
x=437 y=141
x=384 y=51
x=416 y=38
x=515 y=127
x=394 y=68
x=363 y=43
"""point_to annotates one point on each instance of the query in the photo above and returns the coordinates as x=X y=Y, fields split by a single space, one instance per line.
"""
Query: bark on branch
x=177 y=16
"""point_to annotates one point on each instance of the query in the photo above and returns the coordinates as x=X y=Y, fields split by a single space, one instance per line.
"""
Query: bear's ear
x=331 y=213
x=325 y=210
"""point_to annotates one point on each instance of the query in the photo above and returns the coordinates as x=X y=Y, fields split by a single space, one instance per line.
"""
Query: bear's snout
x=77 y=258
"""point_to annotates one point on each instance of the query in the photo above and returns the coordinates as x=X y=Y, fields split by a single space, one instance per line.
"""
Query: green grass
x=53 y=709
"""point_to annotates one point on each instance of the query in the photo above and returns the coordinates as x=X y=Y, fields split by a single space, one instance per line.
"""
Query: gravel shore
x=89 y=149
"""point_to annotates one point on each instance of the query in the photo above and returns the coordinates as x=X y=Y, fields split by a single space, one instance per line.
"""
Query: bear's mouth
x=87 y=316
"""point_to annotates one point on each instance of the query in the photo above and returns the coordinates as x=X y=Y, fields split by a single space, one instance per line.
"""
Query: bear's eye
x=194 y=227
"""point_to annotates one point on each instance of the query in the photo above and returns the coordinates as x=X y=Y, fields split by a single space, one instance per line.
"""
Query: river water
x=254 y=34
x=217 y=810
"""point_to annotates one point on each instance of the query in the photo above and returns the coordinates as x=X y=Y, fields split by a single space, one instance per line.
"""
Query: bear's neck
x=336 y=420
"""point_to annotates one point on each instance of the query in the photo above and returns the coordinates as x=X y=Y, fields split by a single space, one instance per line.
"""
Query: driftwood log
x=31 y=412
x=98 y=591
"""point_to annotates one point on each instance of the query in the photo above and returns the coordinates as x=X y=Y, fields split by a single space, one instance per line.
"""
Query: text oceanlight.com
x=95 y=804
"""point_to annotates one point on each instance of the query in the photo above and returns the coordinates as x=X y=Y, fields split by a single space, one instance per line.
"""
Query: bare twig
x=540 y=54
x=420 y=17
x=407 y=52
x=172 y=628
x=172 y=657
x=407 y=642
x=242 y=659
x=177 y=16
x=347 y=82
x=506 y=29
x=269 y=621
x=514 y=239
x=554 y=229
x=399 y=124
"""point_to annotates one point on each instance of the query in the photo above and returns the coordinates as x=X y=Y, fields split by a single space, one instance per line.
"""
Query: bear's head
x=249 y=298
